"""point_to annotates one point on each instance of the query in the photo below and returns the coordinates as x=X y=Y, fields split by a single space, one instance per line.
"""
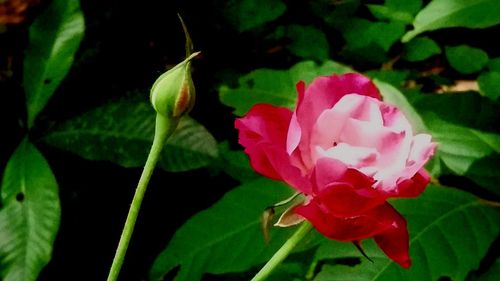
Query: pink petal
x=323 y=93
x=264 y=122
x=294 y=131
x=383 y=223
x=394 y=241
x=395 y=119
x=369 y=224
x=326 y=172
x=367 y=134
x=420 y=152
x=263 y=133
x=343 y=191
x=353 y=156
x=414 y=186
x=294 y=134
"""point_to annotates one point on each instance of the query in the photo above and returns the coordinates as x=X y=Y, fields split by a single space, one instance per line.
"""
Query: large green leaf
x=30 y=215
x=459 y=147
x=455 y=13
x=450 y=232
x=54 y=38
x=274 y=86
x=245 y=15
x=484 y=172
x=492 y=274
x=234 y=163
x=122 y=132
x=226 y=237
x=475 y=111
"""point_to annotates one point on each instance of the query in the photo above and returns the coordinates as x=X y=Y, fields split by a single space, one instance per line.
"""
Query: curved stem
x=283 y=252
x=163 y=130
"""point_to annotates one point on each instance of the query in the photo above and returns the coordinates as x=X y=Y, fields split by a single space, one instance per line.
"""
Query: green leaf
x=393 y=77
x=494 y=64
x=308 y=42
x=421 y=48
x=476 y=111
x=274 y=86
x=492 y=274
x=460 y=146
x=393 y=96
x=30 y=214
x=226 y=237
x=245 y=15
x=455 y=13
x=450 y=231
x=235 y=163
x=396 y=10
x=466 y=59
x=122 y=132
x=54 y=38
x=334 y=13
x=360 y=33
x=387 y=13
x=489 y=84
x=484 y=172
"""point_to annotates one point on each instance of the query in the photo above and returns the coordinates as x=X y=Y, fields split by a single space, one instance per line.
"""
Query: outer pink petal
x=263 y=133
x=322 y=94
x=294 y=130
x=414 y=186
x=371 y=223
x=342 y=191
x=394 y=242
x=383 y=223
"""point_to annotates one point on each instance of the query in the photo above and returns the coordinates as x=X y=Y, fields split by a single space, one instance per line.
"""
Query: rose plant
x=347 y=152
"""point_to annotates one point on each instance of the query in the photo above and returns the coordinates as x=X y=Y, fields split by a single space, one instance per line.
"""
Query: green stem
x=163 y=130
x=283 y=252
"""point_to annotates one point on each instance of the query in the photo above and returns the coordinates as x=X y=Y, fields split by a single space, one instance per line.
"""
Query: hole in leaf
x=47 y=81
x=444 y=278
x=20 y=197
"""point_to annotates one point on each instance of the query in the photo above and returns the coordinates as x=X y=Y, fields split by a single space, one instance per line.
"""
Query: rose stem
x=283 y=252
x=163 y=130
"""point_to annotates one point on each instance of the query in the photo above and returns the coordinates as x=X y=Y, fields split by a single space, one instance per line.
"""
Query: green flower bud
x=173 y=94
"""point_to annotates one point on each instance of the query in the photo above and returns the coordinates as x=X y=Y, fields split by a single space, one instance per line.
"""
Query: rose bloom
x=347 y=152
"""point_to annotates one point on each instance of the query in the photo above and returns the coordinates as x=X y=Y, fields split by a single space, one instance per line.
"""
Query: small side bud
x=173 y=93
x=267 y=217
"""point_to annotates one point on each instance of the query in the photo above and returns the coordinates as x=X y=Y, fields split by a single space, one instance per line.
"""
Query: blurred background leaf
x=299 y=38
x=122 y=132
x=420 y=48
x=54 y=38
x=489 y=84
x=396 y=10
x=30 y=214
x=275 y=87
x=245 y=15
x=466 y=59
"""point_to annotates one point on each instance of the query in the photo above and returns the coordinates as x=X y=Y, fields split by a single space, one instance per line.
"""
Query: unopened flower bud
x=173 y=94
